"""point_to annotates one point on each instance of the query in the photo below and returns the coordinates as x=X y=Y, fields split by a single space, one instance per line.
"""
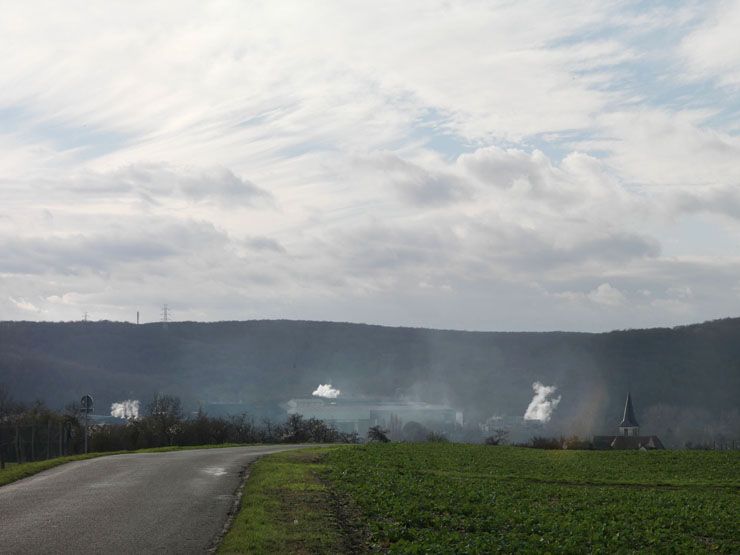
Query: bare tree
x=165 y=415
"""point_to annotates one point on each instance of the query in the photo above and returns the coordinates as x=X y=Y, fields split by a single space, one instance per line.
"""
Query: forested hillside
x=685 y=381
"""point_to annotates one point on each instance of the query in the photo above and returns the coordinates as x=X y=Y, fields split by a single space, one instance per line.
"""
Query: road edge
x=236 y=507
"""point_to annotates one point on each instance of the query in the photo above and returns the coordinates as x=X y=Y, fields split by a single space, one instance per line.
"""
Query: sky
x=480 y=165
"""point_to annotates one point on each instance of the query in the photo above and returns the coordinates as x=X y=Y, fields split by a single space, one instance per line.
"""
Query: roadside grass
x=286 y=508
x=15 y=471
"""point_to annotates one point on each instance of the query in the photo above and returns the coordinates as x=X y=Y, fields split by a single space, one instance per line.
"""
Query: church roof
x=629 y=420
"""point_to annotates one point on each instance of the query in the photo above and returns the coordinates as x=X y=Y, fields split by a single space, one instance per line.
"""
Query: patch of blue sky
x=434 y=131
x=655 y=78
x=11 y=118
x=302 y=148
x=88 y=141
x=633 y=30
x=257 y=119
x=446 y=143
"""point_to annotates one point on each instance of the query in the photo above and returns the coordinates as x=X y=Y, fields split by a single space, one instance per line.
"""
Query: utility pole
x=165 y=316
x=137 y=317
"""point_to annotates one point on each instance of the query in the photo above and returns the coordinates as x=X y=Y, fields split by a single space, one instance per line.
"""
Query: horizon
x=392 y=326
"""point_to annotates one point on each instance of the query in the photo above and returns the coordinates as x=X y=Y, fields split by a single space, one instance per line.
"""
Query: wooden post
x=33 y=441
x=48 y=438
x=61 y=439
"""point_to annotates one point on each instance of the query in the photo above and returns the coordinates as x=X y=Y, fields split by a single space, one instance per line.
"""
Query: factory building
x=357 y=415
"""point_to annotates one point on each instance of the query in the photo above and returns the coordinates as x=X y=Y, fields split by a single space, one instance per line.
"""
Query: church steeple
x=629 y=425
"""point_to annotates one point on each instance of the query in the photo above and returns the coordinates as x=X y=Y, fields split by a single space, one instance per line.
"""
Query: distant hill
x=685 y=381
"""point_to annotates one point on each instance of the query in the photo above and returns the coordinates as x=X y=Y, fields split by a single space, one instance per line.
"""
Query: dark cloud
x=527 y=249
x=502 y=167
x=432 y=190
x=719 y=200
x=103 y=251
x=417 y=185
x=381 y=248
x=158 y=183
x=264 y=244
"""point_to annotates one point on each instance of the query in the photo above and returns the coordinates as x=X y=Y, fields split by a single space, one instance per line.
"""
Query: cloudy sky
x=490 y=165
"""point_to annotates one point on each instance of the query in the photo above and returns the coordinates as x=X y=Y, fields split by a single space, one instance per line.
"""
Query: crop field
x=445 y=498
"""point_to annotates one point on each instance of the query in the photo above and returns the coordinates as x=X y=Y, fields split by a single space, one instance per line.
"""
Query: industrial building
x=358 y=415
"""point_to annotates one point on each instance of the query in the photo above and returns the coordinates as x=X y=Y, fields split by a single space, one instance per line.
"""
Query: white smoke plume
x=326 y=390
x=540 y=408
x=125 y=409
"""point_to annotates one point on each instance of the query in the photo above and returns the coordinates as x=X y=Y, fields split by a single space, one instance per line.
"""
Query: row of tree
x=164 y=424
x=35 y=432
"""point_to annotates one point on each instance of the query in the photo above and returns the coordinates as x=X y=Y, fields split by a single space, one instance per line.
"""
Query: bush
x=497 y=438
x=538 y=442
x=377 y=434
x=436 y=437
x=575 y=442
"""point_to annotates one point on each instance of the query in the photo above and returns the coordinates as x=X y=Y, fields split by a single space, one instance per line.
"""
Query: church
x=629 y=434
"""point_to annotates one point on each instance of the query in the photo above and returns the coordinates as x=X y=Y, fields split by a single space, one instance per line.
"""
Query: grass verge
x=14 y=472
x=287 y=508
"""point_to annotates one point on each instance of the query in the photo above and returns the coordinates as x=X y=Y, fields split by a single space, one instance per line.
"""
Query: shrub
x=378 y=434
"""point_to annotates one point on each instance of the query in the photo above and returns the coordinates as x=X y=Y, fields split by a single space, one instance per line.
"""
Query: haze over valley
x=685 y=381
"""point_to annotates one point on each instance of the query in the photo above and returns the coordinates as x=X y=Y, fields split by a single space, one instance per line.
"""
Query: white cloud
x=302 y=167
x=606 y=294
x=660 y=147
x=711 y=50
x=24 y=305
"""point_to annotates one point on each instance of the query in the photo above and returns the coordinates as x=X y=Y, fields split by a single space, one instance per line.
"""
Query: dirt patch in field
x=349 y=521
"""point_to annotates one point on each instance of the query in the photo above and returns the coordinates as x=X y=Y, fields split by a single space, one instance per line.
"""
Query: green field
x=444 y=498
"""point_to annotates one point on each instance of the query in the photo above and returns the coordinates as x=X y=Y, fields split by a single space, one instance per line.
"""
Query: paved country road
x=175 y=502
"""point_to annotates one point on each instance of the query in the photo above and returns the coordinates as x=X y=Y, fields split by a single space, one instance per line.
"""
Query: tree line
x=35 y=432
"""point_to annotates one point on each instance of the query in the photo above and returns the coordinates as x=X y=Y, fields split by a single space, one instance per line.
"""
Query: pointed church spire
x=629 y=420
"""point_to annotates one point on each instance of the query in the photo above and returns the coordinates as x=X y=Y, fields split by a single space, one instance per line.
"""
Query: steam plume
x=326 y=390
x=125 y=409
x=540 y=408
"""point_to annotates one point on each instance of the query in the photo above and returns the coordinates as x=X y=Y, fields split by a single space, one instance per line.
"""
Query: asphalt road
x=174 y=502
